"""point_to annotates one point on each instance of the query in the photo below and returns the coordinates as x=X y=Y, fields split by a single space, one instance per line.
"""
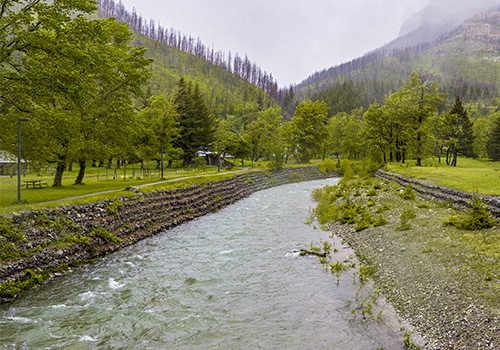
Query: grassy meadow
x=471 y=175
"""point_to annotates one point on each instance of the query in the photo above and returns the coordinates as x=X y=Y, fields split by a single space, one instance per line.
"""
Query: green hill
x=224 y=92
x=465 y=61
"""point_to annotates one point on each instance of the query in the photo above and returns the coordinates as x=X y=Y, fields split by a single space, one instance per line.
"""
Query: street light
x=19 y=157
x=161 y=155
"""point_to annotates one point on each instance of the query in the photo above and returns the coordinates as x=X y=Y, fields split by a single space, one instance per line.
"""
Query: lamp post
x=161 y=155
x=19 y=157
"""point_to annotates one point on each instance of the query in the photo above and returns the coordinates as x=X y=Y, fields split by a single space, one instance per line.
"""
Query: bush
x=408 y=193
x=105 y=235
x=477 y=218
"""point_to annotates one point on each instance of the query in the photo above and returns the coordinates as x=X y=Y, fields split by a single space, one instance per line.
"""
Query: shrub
x=477 y=218
x=104 y=234
x=408 y=193
x=10 y=232
x=404 y=218
x=380 y=221
x=8 y=251
x=382 y=209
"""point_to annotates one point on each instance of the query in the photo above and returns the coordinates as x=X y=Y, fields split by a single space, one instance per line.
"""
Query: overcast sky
x=289 y=38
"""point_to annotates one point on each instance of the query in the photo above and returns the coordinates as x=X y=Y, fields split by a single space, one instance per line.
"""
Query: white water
x=230 y=280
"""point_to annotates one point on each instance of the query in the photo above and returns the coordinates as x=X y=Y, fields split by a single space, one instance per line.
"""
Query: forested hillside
x=465 y=62
x=227 y=82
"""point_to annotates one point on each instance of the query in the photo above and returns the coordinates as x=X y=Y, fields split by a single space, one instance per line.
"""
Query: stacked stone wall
x=130 y=218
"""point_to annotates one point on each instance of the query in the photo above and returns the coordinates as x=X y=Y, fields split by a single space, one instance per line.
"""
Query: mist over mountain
x=438 y=18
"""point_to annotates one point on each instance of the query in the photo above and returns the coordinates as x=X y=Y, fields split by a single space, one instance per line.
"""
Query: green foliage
x=477 y=218
x=309 y=131
x=196 y=122
x=408 y=194
x=365 y=271
x=8 y=251
x=493 y=144
x=93 y=117
x=9 y=232
x=380 y=221
x=382 y=209
x=10 y=289
x=327 y=165
x=112 y=207
x=409 y=343
x=296 y=177
x=404 y=219
x=365 y=222
x=104 y=234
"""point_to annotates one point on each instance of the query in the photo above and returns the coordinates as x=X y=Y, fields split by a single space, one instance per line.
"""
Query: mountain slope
x=467 y=56
x=224 y=92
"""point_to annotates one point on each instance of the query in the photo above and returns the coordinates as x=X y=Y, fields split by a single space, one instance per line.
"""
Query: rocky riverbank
x=37 y=245
x=445 y=281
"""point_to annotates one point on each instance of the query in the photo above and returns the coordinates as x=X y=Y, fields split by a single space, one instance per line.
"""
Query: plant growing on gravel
x=382 y=209
x=104 y=234
x=380 y=221
x=408 y=193
x=477 y=218
x=9 y=232
x=404 y=219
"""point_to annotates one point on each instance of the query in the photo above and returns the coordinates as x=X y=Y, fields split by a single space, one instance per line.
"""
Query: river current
x=229 y=280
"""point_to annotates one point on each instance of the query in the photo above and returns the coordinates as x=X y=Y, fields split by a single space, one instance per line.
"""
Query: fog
x=294 y=38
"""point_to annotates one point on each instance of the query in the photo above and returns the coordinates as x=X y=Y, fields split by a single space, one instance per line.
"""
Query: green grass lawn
x=471 y=175
x=99 y=180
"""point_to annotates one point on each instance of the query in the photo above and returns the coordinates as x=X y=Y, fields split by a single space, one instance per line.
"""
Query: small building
x=8 y=164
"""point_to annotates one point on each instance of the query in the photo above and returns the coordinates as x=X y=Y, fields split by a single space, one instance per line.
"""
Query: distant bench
x=35 y=184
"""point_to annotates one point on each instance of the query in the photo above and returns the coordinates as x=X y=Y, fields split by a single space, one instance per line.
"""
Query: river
x=229 y=280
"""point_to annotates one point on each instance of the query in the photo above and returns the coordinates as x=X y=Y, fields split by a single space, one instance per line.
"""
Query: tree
x=378 y=130
x=230 y=139
x=196 y=122
x=493 y=145
x=456 y=133
x=80 y=87
x=21 y=22
x=466 y=141
x=409 y=111
x=263 y=133
x=482 y=127
x=160 y=118
x=309 y=119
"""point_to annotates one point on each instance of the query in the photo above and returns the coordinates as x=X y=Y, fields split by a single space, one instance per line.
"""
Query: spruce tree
x=493 y=145
x=196 y=121
x=466 y=140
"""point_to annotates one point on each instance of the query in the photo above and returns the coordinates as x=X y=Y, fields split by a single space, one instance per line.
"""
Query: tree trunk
x=60 y=167
x=455 y=156
x=81 y=172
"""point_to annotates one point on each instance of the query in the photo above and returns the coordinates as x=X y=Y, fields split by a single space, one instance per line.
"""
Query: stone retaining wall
x=461 y=198
x=69 y=235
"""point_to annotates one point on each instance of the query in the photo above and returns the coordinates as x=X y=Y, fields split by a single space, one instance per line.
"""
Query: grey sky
x=289 y=38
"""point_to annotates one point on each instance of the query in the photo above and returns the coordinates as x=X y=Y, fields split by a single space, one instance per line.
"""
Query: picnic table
x=35 y=183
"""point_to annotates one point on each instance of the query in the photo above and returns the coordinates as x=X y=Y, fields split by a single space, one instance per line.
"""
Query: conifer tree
x=466 y=141
x=196 y=122
x=493 y=145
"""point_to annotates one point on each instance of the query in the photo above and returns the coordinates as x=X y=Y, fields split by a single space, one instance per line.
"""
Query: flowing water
x=229 y=280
